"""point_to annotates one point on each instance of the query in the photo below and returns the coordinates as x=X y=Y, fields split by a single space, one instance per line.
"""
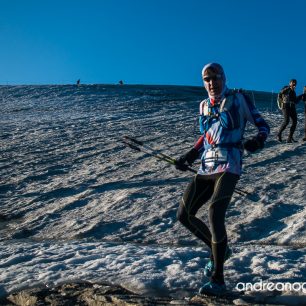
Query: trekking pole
x=129 y=140
x=242 y=192
x=158 y=156
x=138 y=145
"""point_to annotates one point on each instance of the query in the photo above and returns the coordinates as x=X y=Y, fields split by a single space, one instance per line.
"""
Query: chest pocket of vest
x=207 y=114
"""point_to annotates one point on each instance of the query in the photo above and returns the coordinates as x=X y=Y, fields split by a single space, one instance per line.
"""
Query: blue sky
x=260 y=43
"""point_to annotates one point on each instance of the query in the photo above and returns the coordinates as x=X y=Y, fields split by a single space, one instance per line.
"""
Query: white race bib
x=215 y=156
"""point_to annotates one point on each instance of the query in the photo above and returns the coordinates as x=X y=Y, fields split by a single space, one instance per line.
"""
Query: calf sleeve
x=219 y=249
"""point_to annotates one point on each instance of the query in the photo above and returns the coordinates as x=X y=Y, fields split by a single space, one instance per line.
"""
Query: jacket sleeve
x=254 y=117
x=199 y=145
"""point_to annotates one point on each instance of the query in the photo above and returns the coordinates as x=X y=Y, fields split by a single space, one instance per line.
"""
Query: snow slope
x=76 y=204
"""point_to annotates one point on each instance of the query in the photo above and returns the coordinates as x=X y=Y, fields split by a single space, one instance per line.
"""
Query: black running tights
x=218 y=188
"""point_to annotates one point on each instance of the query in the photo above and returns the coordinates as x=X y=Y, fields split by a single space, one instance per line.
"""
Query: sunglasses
x=212 y=78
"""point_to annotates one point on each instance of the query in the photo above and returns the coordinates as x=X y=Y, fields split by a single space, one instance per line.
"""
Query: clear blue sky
x=260 y=43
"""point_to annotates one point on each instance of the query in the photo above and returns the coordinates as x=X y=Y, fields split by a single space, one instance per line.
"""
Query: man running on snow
x=223 y=117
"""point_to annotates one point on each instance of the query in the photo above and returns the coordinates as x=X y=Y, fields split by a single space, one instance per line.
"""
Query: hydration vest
x=209 y=113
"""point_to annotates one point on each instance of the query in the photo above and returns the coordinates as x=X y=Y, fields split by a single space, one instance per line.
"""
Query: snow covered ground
x=76 y=204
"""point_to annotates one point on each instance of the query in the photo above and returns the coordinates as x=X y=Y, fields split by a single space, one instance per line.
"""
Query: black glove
x=189 y=157
x=254 y=144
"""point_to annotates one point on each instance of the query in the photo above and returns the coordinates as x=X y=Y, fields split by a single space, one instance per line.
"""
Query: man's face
x=292 y=85
x=213 y=82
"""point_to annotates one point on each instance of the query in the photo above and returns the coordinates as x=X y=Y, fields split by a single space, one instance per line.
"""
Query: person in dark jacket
x=289 y=110
x=303 y=98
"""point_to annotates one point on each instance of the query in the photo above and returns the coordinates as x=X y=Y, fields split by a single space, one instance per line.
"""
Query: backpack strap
x=204 y=108
x=227 y=102
x=201 y=107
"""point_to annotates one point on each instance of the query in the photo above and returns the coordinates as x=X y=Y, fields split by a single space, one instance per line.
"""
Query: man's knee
x=183 y=215
x=216 y=214
x=286 y=122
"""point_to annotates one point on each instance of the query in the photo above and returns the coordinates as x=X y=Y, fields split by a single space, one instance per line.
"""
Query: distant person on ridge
x=303 y=98
x=289 y=111
x=78 y=82
x=223 y=116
